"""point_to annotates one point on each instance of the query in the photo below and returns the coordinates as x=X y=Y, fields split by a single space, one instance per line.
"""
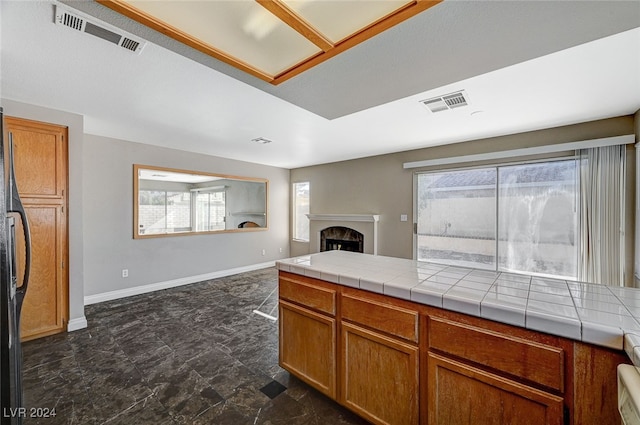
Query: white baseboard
x=77 y=324
x=129 y=292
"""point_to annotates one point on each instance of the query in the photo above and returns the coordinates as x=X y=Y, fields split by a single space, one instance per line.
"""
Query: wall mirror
x=170 y=202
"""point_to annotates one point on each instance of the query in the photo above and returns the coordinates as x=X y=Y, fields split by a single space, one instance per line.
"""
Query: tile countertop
x=597 y=314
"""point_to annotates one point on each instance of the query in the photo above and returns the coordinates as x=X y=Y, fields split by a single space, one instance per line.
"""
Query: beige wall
x=379 y=184
x=108 y=221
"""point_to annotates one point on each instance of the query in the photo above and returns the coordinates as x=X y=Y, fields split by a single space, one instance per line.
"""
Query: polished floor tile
x=197 y=354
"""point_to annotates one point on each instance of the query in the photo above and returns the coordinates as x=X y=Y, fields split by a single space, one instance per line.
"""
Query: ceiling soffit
x=273 y=40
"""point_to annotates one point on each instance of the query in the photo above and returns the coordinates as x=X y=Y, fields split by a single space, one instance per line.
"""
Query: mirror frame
x=136 y=198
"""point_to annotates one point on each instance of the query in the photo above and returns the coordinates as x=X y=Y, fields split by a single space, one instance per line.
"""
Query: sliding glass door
x=520 y=218
x=457 y=217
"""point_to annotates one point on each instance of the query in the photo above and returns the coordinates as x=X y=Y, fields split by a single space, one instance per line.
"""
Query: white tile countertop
x=597 y=314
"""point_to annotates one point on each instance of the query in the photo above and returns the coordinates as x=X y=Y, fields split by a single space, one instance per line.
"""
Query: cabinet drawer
x=306 y=293
x=538 y=363
x=393 y=320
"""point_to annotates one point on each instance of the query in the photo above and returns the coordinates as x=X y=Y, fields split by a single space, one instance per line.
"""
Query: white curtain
x=602 y=187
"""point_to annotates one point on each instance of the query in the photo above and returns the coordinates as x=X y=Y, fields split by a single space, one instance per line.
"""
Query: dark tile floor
x=190 y=355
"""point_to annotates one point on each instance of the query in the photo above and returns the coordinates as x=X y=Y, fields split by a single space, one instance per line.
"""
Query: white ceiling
x=525 y=65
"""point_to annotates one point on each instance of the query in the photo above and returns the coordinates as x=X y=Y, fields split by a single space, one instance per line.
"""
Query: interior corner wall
x=75 y=124
x=636 y=203
x=380 y=184
x=108 y=220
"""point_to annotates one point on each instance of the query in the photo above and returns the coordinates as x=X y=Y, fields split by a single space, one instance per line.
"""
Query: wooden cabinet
x=317 y=296
x=596 y=395
x=460 y=394
x=397 y=362
x=393 y=320
x=530 y=361
x=379 y=366
x=307 y=347
x=308 y=332
x=485 y=373
x=40 y=158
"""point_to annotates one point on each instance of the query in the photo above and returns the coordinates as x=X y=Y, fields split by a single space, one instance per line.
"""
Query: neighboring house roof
x=525 y=175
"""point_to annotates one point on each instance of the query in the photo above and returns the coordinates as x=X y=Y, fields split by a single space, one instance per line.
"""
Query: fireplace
x=363 y=227
x=341 y=238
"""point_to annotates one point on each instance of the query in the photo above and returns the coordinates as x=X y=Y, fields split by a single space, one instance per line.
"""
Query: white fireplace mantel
x=345 y=217
x=367 y=224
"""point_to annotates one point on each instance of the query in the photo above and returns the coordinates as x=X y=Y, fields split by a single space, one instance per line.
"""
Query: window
x=520 y=218
x=300 y=211
x=210 y=211
x=164 y=211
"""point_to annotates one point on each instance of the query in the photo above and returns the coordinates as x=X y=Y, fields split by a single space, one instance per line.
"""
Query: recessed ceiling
x=527 y=65
x=273 y=40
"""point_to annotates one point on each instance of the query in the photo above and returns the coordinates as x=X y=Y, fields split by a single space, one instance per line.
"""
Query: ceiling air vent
x=446 y=102
x=101 y=30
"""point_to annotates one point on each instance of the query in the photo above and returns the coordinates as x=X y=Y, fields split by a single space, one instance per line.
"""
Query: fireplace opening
x=341 y=238
x=340 y=245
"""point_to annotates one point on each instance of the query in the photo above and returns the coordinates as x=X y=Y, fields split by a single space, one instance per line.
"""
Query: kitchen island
x=405 y=342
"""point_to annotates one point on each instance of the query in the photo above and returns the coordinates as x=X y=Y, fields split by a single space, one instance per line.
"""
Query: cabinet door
x=380 y=376
x=45 y=304
x=307 y=346
x=40 y=159
x=463 y=395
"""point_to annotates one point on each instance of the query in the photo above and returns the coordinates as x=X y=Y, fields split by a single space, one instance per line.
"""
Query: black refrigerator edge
x=11 y=295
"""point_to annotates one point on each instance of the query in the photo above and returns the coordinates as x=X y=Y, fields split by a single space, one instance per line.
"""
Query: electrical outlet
x=280 y=250
x=264 y=252
x=125 y=272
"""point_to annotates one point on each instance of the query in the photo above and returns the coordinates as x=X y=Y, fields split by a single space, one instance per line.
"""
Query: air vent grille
x=72 y=21
x=446 y=102
x=130 y=44
x=97 y=29
x=455 y=100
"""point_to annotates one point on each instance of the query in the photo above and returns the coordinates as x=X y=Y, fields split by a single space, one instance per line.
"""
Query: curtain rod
x=586 y=144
